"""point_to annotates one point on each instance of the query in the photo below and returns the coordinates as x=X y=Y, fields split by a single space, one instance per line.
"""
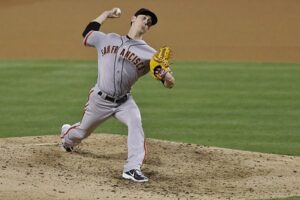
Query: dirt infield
x=36 y=168
x=231 y=30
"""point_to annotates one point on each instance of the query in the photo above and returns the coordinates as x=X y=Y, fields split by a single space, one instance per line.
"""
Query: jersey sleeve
x=146 y=68
x=93 y=38
x=92 y=26
x=150 y=53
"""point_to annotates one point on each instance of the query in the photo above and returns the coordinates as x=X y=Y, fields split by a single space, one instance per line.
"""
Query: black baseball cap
x=144 y=11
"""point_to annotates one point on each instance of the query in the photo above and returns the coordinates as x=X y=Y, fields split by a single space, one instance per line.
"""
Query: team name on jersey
x=128 y=55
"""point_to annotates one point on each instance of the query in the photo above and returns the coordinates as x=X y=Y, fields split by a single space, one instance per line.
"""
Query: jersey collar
x=129 y=39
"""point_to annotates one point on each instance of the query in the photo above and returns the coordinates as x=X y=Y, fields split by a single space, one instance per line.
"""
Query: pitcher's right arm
x=92 y=35
x=96 y=23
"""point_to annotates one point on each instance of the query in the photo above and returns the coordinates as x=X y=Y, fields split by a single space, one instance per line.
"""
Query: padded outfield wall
x=210 y=30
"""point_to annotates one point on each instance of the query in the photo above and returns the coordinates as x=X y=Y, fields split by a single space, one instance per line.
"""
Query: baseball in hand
x=117 y=11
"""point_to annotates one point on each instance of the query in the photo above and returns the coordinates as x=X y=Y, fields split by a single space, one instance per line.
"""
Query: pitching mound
x=36 y=168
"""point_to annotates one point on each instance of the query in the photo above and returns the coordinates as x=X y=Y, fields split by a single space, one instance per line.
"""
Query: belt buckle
x=118 y=100
x=122 y=99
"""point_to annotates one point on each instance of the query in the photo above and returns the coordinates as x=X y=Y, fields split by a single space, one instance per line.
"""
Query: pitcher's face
x=142 y=23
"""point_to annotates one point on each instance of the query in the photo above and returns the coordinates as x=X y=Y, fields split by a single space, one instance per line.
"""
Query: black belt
x=114 y=100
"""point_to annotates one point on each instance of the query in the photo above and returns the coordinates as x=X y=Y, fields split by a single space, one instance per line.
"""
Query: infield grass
x=288 y=198
x=248 y=106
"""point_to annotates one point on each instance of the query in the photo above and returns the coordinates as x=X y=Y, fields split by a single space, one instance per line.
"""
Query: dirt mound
x=36 y=168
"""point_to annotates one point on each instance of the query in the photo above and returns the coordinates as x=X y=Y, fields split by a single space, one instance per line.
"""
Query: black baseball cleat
x=135 y=175
x=65 y=128
x=67 y=149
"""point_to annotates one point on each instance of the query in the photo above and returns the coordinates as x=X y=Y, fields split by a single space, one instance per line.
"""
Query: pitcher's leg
x=136 y=146
x=81 y=130
x=129 y=114
x=96 y=112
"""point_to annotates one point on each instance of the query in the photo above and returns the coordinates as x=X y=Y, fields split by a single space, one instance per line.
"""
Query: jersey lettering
x=128 y=55
x=137 y=61
x=133 y=60
x=140 y=65
x=109 y=49
x=122 y=52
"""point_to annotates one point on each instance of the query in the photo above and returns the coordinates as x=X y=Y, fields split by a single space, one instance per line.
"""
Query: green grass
x=288 y=198
x=247 y=106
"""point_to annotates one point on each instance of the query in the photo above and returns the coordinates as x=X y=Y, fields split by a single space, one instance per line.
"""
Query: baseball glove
x=159 y=63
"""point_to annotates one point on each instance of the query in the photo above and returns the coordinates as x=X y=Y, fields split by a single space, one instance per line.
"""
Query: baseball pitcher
x=122 y=60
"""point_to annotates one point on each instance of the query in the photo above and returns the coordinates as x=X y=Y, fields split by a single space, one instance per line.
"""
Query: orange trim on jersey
x=73 y=127
x=87 y=103
x=86 y=37
x=145 y=152
x=91 y=91
x=66 y=133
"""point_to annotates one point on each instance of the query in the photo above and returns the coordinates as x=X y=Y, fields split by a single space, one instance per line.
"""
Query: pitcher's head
x=143 y=19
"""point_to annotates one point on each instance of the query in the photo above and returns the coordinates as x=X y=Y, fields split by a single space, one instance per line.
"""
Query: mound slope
x=36 y=168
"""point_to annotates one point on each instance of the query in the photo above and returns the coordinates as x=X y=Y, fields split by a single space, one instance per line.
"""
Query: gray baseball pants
x=97 y=110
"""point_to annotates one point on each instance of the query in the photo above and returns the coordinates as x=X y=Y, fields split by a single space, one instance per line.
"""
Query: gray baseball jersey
x=121 y=61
